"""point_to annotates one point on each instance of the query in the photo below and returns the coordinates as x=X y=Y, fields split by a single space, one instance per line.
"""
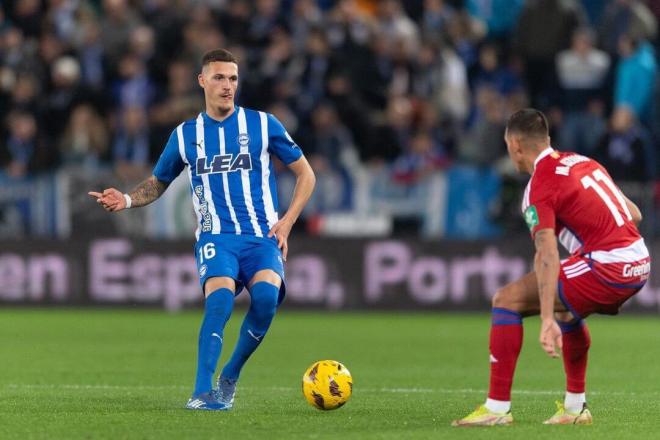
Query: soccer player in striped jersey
x=570 y=198
x=241 y=240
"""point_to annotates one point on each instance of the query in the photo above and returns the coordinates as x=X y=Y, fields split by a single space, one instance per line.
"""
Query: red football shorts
x=584 y=291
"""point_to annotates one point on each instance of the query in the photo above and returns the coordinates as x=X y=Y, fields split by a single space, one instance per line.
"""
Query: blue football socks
x=255 y=325
x=217 y=311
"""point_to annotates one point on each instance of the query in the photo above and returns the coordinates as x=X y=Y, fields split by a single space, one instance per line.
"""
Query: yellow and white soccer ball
x=327 y=385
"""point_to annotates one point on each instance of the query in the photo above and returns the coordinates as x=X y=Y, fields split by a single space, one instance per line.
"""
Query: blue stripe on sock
x=567 y=327
x=494 y=322
x=505 y=317
x=506 y=312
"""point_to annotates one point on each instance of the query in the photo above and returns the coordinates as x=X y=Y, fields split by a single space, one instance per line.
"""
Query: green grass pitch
x=120 y=374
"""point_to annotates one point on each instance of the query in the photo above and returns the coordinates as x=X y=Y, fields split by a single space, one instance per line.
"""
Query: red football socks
x=506 y=337
x=575 y=351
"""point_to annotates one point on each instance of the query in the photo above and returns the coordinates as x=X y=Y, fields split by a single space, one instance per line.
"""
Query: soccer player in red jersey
x=570 y=198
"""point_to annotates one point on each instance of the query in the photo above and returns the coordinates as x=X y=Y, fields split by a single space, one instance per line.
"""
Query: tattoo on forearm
x=147 y=191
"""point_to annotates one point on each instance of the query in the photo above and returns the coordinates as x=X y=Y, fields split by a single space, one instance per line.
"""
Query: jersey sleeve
x=280 y=142
x=169 y=164
x=540 y=213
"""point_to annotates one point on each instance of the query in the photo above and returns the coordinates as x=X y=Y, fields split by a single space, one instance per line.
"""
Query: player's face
x=514 y=149
x=219 y=81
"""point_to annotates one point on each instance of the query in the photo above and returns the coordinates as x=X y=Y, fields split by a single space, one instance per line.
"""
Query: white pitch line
x=362 y=390
x=94 y=387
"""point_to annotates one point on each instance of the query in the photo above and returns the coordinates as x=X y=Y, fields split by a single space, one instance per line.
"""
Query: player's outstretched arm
x=305 y=182
x=144 y=193
x=546 y=266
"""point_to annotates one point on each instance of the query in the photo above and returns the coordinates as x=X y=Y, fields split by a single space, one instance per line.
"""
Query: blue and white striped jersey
x=231 y=174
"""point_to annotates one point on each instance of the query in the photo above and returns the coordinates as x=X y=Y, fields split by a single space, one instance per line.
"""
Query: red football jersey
x=575 y=196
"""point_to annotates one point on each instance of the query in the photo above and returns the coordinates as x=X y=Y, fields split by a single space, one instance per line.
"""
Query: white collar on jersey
x=543 y=154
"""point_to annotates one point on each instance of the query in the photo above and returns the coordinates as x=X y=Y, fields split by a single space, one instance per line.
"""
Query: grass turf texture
x=127 y=374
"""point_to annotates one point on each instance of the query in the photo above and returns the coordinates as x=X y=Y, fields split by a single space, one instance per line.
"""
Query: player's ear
x=200 y=80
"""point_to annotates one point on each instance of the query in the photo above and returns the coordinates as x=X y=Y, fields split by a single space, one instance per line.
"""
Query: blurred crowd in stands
x=405 y=86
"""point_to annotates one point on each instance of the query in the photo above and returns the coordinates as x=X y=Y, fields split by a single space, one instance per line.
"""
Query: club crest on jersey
x=531 y=217
x=224 y=163
x=243 y=140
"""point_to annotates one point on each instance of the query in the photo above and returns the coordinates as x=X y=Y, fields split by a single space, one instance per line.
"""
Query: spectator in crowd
x=465 y=34
x=134 y=88
x=351 y=108
x=25 y=93
x=118 y=21
x=66 y=92
x=24 y=151
x=635 y=77
x=166 y=19
x=331 y=153
x=234 y=20
x=436 y=16
x=130 y=148
x=85 y=140
x=265 y=18
x=440 y=129
x=348 y=25
x=498 y=16
x=305 y=18
x=371 y=70
x=582 y=71
x=394 y=25
x=91 y=53
x=404 y=189
x=426 y=70
x=392 y=134
x=423 y=157
x=484 y=144
x=626 y=17
x=452 y=94
x=624 y=150
x=491 y=73
x=62 y=16
x=316 y=64
x=27 y=17
x=15 y=51
x=543 y=30
x=142 y=43
x=401 y=70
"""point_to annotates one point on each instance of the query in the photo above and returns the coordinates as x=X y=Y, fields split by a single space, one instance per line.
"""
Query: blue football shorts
x=238 y=257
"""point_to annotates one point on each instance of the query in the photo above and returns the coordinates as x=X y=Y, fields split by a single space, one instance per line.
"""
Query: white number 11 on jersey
x=588 y=182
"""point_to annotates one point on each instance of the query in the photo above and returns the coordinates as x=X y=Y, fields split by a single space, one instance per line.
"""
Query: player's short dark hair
x=528 y=122
x=221 y=55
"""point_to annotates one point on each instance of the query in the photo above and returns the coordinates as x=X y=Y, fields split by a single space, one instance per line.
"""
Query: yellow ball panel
x=327 y=384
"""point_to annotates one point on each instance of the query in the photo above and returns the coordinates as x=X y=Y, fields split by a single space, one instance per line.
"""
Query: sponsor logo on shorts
x=202 y=270
x=637 y=270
